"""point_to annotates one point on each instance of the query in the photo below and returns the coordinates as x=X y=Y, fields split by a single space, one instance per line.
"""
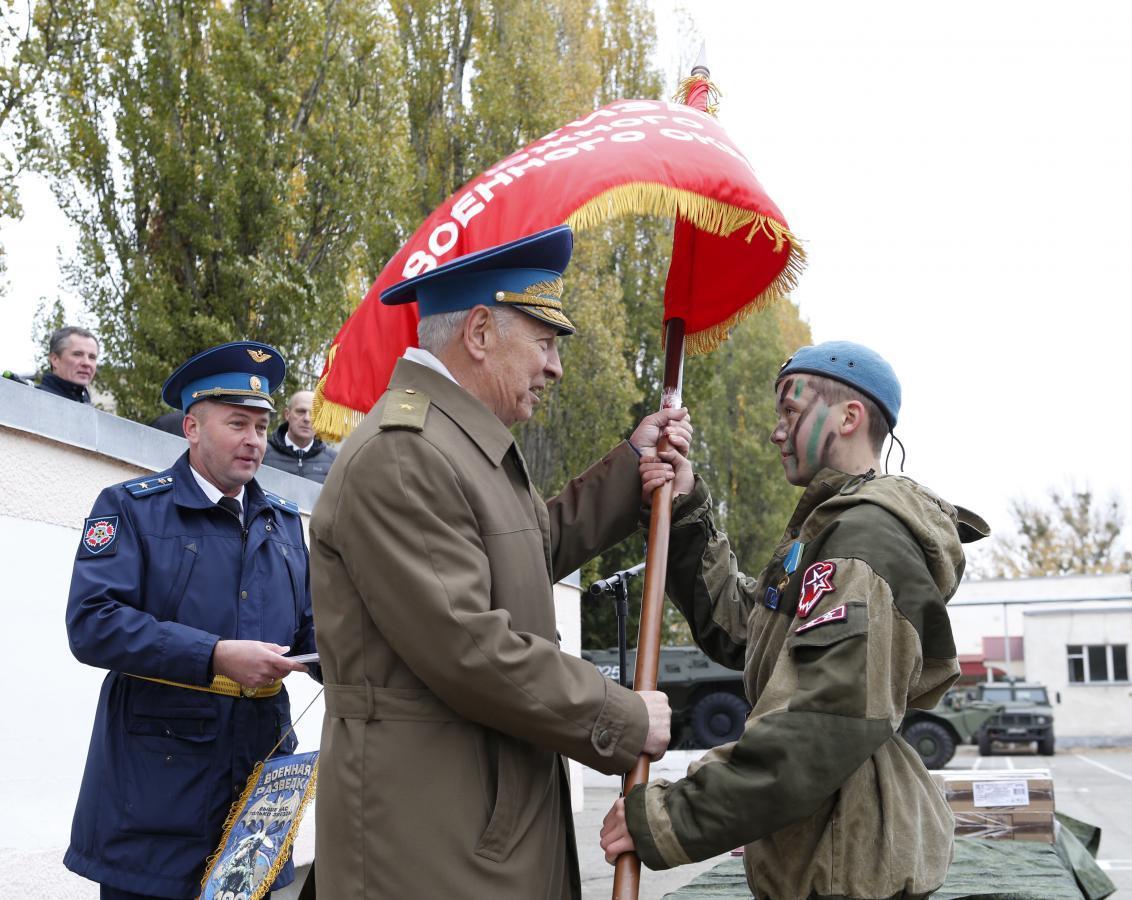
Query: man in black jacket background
x=293 y=446
x=73 y=354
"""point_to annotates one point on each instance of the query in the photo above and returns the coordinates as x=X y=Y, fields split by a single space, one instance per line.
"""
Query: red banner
x=632 y=157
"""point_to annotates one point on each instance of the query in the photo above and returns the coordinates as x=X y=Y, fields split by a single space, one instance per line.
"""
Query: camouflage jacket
x=845 y=628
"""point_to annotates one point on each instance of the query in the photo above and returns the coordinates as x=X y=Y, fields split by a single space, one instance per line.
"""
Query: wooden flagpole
x=627 y=875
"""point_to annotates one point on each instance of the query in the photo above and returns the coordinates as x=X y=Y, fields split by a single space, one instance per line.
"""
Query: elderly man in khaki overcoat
x=449 y=705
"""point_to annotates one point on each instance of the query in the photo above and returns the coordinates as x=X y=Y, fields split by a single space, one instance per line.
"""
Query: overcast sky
x=961 y=174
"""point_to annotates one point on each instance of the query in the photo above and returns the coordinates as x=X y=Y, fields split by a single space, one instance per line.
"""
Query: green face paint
x=799 y=386
x=815 y=436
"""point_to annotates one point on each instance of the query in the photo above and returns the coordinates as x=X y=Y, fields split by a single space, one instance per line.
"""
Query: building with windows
x=1080 y=653
x=1070 y=633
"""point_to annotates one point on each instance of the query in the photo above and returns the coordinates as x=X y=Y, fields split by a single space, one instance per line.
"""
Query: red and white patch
x=837 y=614
x=100 y=533
x=816 y=583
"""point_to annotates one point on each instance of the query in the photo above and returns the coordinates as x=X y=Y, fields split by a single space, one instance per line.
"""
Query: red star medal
x=816 y=583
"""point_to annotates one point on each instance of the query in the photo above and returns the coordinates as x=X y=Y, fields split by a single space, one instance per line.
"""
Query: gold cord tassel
x=684 y=91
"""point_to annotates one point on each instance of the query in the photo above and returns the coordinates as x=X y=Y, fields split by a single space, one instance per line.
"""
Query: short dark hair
x=59 y=338
x=833 y=391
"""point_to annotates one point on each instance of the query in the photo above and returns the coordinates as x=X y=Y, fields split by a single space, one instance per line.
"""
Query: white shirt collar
x=292 y=444
x=424 y=358
x=211 y=491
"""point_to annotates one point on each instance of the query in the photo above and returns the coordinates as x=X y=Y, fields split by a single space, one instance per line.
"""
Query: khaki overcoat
x=448 y=701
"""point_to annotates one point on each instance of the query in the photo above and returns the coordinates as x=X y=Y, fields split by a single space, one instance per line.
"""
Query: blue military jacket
x=161 y=575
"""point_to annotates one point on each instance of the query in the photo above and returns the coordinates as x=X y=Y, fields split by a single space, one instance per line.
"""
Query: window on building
x=1089 y=663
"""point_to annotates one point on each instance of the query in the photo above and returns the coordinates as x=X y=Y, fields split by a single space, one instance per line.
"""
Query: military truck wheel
x=984 y=744
x=1045 y=746
x=718 y=718
x=932 y=741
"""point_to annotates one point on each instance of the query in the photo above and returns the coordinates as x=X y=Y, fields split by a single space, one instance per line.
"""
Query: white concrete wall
x=1089 y=713
x=57 y=455
x=970 y=624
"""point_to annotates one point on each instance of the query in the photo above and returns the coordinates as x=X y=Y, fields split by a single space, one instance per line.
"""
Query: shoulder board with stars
x=405 y=409
x=148 y=486
x=282 y=503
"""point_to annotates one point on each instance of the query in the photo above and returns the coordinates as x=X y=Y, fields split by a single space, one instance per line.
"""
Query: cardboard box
x=1007 y=826
x=998 y=791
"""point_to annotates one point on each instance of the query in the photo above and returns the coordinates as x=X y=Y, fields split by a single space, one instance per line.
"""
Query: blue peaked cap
x=854 y=365
x=525 y=275
x=243 y=373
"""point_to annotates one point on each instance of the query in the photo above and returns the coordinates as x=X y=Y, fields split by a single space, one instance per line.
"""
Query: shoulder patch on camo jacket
x=816 y=583
x=406 y=408
x=837 y=614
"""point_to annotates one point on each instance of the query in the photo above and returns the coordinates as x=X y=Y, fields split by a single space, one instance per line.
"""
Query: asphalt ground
x=1094 y=785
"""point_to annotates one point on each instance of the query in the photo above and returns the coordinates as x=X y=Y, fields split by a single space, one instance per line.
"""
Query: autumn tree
x=246 y=169
x=1072 y=533
x=31 y=36
x=233 y=170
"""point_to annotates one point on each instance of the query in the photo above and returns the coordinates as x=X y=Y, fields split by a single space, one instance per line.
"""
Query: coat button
x=604 y=738
x=169 y=759
x=243 y=595
x=168 y=733
x=268 y=526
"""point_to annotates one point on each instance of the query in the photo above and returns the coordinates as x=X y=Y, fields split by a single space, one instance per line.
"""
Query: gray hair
x=59 y=338
x=434 y=333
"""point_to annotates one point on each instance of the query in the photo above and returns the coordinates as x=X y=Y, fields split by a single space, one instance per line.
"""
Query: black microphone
x=605 y=585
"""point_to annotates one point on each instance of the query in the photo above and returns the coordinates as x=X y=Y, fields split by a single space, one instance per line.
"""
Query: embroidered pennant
x=816 y=583
x=836 y=614
x=100 y=536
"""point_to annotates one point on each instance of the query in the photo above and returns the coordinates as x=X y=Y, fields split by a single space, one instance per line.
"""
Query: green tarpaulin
x=984 y=869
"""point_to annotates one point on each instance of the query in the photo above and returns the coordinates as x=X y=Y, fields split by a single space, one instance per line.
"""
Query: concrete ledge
x=37 y=412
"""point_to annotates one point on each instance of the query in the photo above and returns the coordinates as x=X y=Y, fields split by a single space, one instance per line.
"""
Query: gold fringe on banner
x=652 y=198
x=284 y=850
x=710 y=338
x=332 y=421
x=707 y=214
x=684 y=89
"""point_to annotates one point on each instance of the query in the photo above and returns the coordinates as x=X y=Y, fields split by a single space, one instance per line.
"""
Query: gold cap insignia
x=258 y=355
x=255 y=383
x=543 y=300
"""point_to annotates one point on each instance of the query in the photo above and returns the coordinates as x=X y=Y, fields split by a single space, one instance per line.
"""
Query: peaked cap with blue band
x=243 y=373
x=525 y=275
x=852 y=364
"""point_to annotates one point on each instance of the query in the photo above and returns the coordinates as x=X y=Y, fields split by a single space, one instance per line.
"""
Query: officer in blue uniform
x=189 y=586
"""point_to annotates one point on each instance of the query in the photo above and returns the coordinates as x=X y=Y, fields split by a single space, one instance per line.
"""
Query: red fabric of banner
x=628 y=158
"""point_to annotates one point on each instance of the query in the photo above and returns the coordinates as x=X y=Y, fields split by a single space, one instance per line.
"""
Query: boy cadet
x=433 y=560
x=189 y=585
x=844 y=628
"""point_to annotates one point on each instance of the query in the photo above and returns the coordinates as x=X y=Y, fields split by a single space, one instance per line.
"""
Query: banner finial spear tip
x=701 y=65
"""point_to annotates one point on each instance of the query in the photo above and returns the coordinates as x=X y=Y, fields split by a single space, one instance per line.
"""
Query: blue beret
x=854 y=365
x=244 y=373
x=525 y=275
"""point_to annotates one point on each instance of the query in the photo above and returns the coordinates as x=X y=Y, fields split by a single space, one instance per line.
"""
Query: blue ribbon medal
x=789 y=566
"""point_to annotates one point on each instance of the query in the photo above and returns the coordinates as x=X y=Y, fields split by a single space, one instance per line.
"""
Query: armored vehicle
x=1026 y=716
x=709 y=706
x=707 y=700
x=935 y=733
